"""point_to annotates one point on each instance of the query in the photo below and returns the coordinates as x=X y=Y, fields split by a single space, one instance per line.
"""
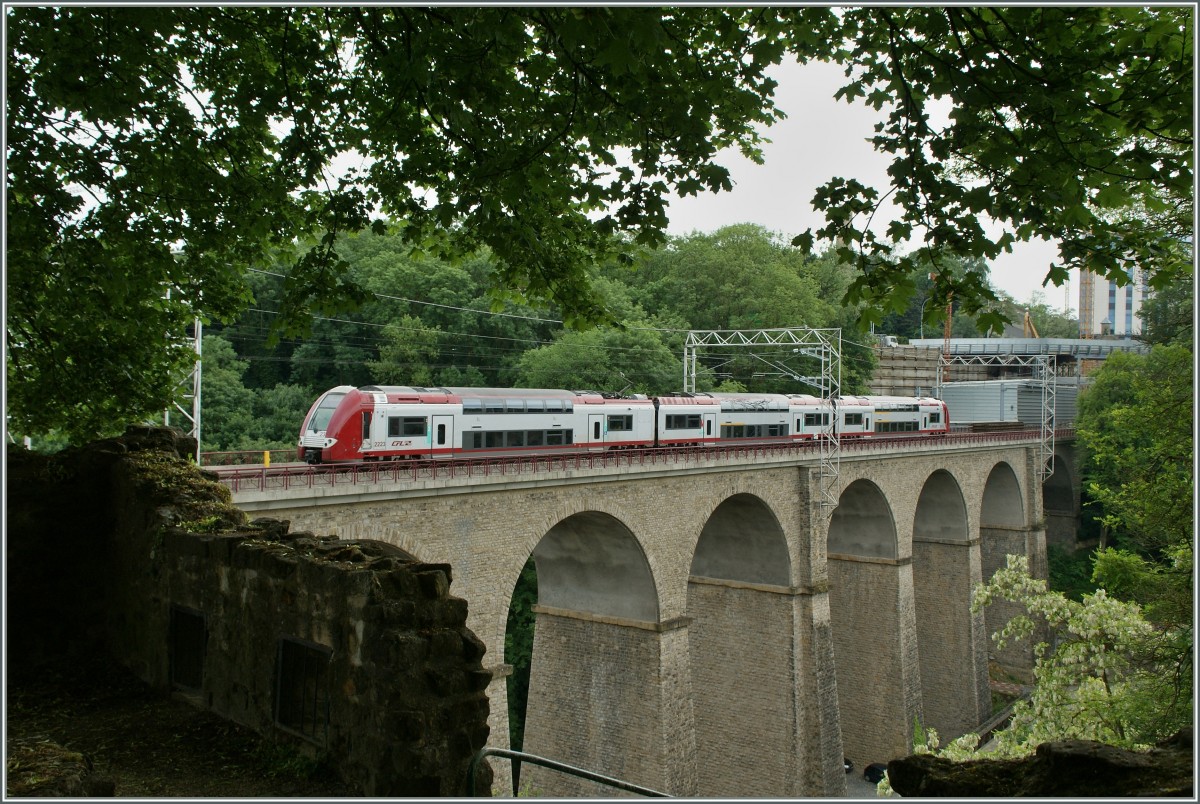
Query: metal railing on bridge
x=262 y=478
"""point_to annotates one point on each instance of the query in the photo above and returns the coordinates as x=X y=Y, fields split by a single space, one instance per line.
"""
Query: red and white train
x=393 y=422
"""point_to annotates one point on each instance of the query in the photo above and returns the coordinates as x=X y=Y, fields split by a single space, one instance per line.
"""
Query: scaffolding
x=825 y=345
x=1042 y=370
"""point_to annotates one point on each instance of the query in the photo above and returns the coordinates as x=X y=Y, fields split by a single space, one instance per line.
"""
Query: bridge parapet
x=262 y=489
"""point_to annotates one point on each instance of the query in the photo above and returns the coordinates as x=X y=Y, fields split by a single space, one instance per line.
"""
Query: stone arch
x=1003 y=504
x=1003 y=530
x=591 y=562
x=941 y=510
x=950 y=639
x=740 y=652
x=600 y=654
x=1060 y=501
x=863 y=524
x=742 y=541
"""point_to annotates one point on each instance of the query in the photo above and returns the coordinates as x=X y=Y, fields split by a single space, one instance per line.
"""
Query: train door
x=442 y=441
x=596 y=430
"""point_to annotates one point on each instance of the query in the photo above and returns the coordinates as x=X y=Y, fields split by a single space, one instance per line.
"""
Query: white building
x=1107 y=310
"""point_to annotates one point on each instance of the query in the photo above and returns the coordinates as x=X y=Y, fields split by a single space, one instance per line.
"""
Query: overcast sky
x=822 y=138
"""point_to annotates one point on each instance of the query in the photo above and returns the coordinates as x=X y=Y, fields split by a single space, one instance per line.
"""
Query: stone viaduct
x=704 y=626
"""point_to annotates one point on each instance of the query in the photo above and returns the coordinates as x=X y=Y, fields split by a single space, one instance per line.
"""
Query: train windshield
x=320 y=418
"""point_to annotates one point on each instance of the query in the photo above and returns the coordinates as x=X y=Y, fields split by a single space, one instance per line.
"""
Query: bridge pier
x=953 y=642
x=613 y=696
x=875 y=650
x=753 y=669
x=1016 y=658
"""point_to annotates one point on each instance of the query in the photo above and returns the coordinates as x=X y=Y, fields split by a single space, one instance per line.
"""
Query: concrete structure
x=702 y=628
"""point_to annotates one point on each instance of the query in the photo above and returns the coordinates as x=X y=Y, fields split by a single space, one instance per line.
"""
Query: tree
x=134 y=131
x=1135 y=425
x=1167 y=315
x=1106 y=679
x=155 y=154
x=406 y=356
x=1057 y=122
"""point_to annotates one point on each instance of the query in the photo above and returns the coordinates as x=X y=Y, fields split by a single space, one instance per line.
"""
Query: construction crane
x=1029 y=327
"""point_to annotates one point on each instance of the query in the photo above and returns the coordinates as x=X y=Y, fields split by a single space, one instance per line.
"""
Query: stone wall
x=351 y=651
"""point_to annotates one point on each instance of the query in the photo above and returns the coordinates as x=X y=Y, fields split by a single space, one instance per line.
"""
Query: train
x=390 y=422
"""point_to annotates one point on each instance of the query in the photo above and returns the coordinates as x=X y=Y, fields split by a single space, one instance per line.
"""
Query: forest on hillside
x=430 y=322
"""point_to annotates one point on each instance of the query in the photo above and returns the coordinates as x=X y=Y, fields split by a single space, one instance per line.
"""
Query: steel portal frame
x=822 y=344
x=1043 y=370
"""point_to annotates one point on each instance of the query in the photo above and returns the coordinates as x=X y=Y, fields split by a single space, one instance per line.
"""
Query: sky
x=822 y=138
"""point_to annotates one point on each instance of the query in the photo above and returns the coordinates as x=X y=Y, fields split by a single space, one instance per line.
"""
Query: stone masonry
x=661 y=585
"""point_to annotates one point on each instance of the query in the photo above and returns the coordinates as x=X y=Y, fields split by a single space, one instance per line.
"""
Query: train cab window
x=320 y=417
x=472 y=407
x=620 y=423
x=366 y=425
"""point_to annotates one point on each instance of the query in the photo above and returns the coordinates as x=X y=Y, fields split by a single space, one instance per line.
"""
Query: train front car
x=317 y=438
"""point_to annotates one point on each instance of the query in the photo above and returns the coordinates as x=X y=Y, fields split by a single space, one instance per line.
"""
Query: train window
x=472 y=440
x=683 y=421
x=568 y=405
x=535 y=438
x=320 y=417
x=493 y=440
x=620 y=423
x=366 y=425
x=515 y=405
x=413 y=426
x=515 y=438
x=554 y=405
x=596 y=431
x=708 y=427
x=935 y=418
x=493 y=406
x=777 y=429
x=853 y=418
x=473 y=406
x=441 y=434
x=557 y=438
x=393 y=426
x=535 y=405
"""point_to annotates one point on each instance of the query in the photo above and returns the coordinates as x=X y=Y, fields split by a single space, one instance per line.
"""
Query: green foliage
x=1167 y=315
x=131 y=131
x=155 y=156
x=1070 y=572
x=1135 y=424
x=1111 y=676
x=1071 y=124
x=518 y=650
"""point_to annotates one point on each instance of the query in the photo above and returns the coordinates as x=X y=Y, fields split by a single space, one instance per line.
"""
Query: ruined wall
x=352 y=651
